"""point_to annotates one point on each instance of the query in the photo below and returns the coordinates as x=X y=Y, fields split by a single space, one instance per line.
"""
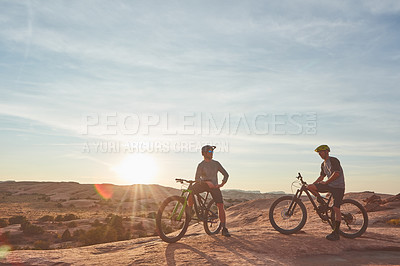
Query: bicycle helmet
x=206 y=149
x=322 y=148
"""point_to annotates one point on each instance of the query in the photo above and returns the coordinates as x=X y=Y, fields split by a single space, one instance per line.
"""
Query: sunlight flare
x=137 y=169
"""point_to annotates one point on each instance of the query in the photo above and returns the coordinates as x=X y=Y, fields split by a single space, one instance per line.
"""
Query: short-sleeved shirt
x=208 y=171
x=330 y=166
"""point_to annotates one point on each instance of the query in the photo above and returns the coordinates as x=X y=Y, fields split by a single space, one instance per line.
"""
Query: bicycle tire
x=168 y=228
x=354 y=219
x=211 y=221
x=278 y=210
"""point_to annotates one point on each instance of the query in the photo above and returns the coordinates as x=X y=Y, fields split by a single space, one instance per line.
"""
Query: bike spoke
x=286 y=218
x=352 y=219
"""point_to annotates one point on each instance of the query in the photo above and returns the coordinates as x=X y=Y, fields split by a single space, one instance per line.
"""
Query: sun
x=137 y=169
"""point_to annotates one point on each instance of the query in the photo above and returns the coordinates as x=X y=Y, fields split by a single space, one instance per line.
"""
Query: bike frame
x=298 y=194
x=200 y=199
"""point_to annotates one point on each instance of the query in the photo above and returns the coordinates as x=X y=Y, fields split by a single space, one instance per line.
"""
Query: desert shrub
x=31 y=229
x=45 y=198
x=96 y=223
x=152 y=215
x=79 y=234
x=95 y=236
x=3 y=222
x=166 y=228
x=17 y=219
x=141 y=233
x=138 y=226
x=394 y=221
x=72 y=224
x=112 y=231
x=46 y=218
x=41 y=244
x=66 y=236
x=59 y=205
x=70 y=217
x=4 y=236
x=66 y=218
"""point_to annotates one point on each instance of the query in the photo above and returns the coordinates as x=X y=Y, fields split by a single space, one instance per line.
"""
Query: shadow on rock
x=172 y=257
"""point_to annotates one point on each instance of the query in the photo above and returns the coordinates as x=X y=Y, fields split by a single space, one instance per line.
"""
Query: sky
x=127 y=92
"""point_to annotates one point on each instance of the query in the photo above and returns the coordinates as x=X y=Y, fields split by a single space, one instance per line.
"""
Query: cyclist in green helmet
x=207 y=175
x=335 y=185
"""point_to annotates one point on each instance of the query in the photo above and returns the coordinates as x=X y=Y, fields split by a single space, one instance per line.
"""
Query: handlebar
x=299 y=177
x=180 y=180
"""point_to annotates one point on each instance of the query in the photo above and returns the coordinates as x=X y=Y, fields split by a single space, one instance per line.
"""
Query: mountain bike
x=288 y=214
x=174 y=216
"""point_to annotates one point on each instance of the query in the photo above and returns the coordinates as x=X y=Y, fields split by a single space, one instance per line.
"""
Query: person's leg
x=313 y=189
x=337 y=195
x=190 y=200
x=221 y=214
x=316 y=188
x=217 y=196
x=196 y=189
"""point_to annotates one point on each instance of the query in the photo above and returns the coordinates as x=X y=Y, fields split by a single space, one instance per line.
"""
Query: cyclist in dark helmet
x=332 y=169
x=207 y=175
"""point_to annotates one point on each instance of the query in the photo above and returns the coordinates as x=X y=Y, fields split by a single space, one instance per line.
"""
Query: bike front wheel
x=172 y=219
x=354 y=219
x=211 y=221
x=287 y=215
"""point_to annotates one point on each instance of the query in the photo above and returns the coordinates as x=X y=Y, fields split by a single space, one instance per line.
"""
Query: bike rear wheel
x=354 y=219
x=211 y=221
x=172 y=219
x=287 y=221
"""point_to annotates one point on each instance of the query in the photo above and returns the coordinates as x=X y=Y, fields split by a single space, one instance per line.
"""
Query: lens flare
x=4 y=249
x=104 y=190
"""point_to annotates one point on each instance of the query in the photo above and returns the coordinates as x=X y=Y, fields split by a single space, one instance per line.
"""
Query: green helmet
x=322 y=148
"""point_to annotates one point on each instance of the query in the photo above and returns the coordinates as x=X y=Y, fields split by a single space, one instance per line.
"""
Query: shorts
x=198 y=188
x=337 y=193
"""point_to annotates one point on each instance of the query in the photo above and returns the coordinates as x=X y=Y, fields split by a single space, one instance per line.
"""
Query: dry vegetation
x=52 y=215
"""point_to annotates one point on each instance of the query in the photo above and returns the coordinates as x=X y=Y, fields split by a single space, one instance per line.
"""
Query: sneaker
x=333 y=236
x=225 y=232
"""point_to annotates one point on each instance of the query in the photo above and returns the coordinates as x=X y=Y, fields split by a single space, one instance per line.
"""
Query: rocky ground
x=253 y=242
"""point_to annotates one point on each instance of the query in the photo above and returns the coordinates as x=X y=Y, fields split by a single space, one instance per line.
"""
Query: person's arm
x=336 y=169
x=198 y=174
x=321 y=176
x=224 y=173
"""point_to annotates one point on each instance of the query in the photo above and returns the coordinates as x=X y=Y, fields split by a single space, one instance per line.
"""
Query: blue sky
x=271 y=64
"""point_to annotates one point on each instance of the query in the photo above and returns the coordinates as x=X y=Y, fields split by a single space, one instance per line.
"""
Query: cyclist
x=207 y=177
x=332 y=169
